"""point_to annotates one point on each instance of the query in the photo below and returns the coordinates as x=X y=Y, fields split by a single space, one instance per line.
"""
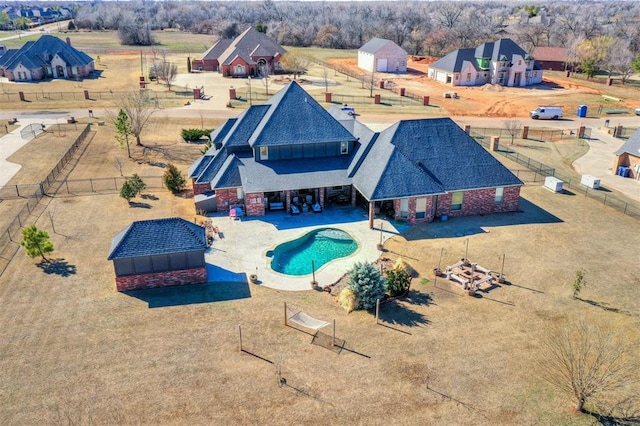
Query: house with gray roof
x=380 y=55
x=293 y=154
x=47 y=57
x=159 y=253
x=502 y=62
x=249 y=54
x=628 y=155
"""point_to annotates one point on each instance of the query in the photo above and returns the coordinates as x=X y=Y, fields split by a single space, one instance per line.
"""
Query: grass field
x=75 y=351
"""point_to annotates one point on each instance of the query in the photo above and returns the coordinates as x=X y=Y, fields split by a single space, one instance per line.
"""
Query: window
x=255 y=200
x=264 y=153
x=456 y=200
x=344 y=147
x=239 y=194
x=421 y=208
x=404 y=208
x=519 y=62
x=468 y=77
x=499 y=195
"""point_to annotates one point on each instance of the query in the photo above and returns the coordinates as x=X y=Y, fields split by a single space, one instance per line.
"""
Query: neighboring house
x=629 y=156
x=380 y=55
x=502 y=62
x=248 y=54
x=159 y=253
x=47 y=57
x=291 y=151
x=551 y=58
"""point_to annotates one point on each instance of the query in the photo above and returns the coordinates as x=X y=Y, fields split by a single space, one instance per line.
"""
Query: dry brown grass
x=71 y=345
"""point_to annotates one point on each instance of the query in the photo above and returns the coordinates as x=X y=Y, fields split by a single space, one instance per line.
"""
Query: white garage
x=382 y=55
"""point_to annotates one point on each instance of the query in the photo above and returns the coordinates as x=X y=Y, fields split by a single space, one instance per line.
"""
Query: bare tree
x=139 y=108
x=265 y=72
x=512 y=127
x=325 y=77
x=118 y=163
x=165 y=70
x=586 y=361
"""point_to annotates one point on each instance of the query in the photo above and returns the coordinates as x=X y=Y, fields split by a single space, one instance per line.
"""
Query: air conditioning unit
x=553 y=184
x=590 y=181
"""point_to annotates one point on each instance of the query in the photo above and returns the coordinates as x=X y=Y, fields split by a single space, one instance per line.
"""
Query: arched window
x=240 y=70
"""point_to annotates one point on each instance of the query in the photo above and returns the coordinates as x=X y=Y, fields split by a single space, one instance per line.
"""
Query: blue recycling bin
x=582 y=111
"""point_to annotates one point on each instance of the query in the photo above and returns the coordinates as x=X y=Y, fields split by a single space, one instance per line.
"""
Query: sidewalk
x=598 y=162
x=10 y=143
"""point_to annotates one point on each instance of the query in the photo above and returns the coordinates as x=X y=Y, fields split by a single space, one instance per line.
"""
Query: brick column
x=525 y=132
x=287 y=196
x=353 y=196
x=321 y=197
x=467 y=129
x=371 y=214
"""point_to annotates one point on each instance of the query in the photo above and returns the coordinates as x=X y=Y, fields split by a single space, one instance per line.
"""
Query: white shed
x=380 y=55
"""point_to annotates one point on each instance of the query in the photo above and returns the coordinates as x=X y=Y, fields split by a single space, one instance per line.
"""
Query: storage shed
x=380 y=55
x=159 y=253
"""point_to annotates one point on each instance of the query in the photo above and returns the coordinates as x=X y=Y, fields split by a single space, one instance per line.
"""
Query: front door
x=59 y=71
x=516 y=79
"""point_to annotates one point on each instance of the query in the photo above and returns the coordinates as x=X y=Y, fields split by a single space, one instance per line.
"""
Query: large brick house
x=47 y=57
x=502 y=62
x=246 y=55
x=291 y=152
x=159 y=253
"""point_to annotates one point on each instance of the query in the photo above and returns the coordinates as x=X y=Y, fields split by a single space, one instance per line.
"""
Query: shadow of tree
x=609 y=420
x=603 y=306
x=149 y=197
x=57 y=266
x=399 y=313
x=135 y=204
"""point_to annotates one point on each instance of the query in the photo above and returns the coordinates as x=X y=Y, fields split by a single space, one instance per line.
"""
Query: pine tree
x=123 y=130
x=367 y=284
x=173 y=179
x=36 y=242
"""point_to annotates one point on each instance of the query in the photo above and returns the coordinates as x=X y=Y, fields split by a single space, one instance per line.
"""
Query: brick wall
x=225 y=197
x=474 y=202
x=161 y=279
x=254 y=208
x=200 y=188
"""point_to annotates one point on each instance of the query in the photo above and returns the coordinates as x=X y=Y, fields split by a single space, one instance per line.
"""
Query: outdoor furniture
x=295 y=209
x=317 y=208
x=276 y=205
x=236 y=213
x=305 y=208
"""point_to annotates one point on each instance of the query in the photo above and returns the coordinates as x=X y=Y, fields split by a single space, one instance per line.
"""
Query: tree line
x=605 y=35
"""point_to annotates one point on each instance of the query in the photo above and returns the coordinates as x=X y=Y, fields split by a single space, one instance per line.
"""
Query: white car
x=637 y=111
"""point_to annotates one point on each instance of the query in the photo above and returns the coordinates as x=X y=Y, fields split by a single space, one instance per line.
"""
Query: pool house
x=291 y=154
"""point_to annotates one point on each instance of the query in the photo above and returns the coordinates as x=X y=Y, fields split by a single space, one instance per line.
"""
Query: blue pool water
x=321 y=245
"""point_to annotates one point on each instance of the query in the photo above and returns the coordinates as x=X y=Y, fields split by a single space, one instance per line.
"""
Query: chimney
x=68 y=41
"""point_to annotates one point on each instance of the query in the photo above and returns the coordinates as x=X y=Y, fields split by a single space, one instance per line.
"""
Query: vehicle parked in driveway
x=546 y=113
x=637 y=111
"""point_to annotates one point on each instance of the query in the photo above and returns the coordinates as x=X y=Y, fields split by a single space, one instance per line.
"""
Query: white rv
x=546 y=113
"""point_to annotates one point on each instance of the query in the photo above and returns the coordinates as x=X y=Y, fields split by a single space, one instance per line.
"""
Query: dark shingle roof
x=245 y=126
x=35 y=54
x=425 y=157
x=246 y=43
x=631 y=146
x=503 y=49
x=454 y=61
x=213 y=167
x=294 y=117
x=157 y=236
x=218 y=135
x=216 y=50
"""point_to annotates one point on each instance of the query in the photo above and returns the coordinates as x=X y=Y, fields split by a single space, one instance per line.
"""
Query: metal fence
x=31 y=131
x=533 y=134
x=10 y=238
x=90 y=95
x=537 y=172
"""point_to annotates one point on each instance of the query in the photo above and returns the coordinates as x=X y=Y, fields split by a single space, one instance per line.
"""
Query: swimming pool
x=320 y=246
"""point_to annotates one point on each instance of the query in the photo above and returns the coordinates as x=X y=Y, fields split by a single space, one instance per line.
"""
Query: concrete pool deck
x=242 y=249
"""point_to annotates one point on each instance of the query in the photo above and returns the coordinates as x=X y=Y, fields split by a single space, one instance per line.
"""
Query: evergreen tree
x=36 y=242
x=173 y=179
x=367 y=284
x=123 y=130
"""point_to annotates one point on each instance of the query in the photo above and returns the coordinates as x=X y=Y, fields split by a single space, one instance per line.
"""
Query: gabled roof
x=247 y=42
x=631 y=146
x=502 y=50
x=216 y=50
x=36 y=54
x=294 y=117
x=453 y=62
x=245 y=126
x=375 y=44
x=427 y=157
x=157 y=236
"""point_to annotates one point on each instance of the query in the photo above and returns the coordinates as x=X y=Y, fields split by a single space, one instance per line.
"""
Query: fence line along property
x=33 y=194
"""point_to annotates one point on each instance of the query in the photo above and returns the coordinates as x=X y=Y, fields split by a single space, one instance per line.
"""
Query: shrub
x=132 y=187
x=191 y=135
x=397 y=281
x=347 y=299
x=137 y=183
x=173 y=179
x=401 y=264
x=367 y=284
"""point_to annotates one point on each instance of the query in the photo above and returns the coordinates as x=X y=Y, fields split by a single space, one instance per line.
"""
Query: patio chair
x=295 y=209
x=309 y=199
x=317 y=208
